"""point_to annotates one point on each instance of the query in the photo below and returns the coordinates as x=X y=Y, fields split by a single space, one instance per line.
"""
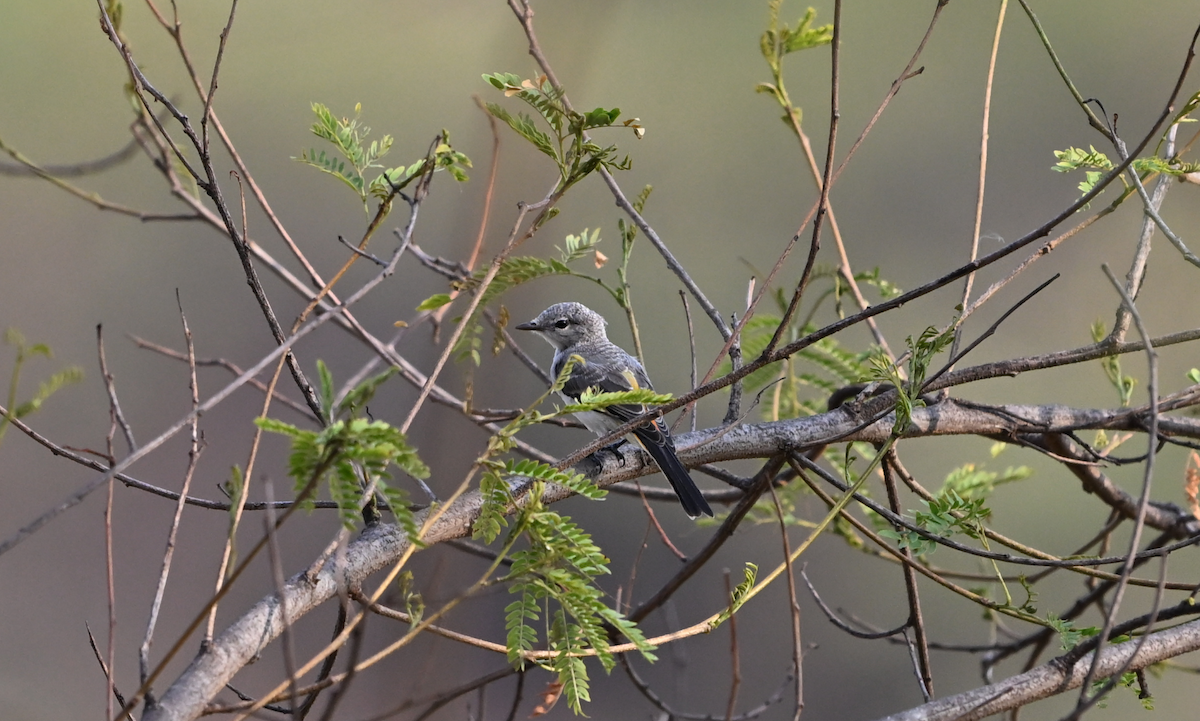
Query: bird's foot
x=614 y=448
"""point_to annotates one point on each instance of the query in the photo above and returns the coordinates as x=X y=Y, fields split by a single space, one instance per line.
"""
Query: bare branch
x=1053 y=678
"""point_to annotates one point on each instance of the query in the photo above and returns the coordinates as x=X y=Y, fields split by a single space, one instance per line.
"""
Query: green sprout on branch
x=1096 y=164
x=780 y=40
x=348 y=136
x=56 y=382
x=567 y=144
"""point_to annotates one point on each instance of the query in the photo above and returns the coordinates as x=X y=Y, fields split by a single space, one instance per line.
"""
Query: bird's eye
x=562 y=323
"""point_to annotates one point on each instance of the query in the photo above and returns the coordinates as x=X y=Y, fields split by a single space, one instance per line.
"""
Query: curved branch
x=1052 y=678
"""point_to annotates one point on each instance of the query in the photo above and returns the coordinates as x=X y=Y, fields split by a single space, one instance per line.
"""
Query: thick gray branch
x=1051 y=678
x=380 y=546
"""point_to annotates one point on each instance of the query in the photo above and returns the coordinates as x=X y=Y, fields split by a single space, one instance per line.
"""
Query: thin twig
x=514 y=238
x=90 y=197
x=734 y=407
x=517 y=350
x=956 y=356
x=687 y=314
x=826 y=181
x=172 y=532
x=228 y=365
x=916 y=620
x=1056 y=359
x=652 y=697
x=516 y=702
x=833 y=617
x=1151 y=210
x=110 y=587
x=793 y=608
x=724 y=533
x=662 y=533
x=276 y=563
x=489 y=192
x=74 y=170
x=360 y=252
x=1093 y=120
x=212 y=87
x=111 y=388
x=1141 y=256
x=104 y=667
x=114 y=413
x=735 y=673
x=1139 y=522
x=983 y=157
x=356 y=640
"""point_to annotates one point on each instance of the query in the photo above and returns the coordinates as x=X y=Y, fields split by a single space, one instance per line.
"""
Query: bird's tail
x=662 y=450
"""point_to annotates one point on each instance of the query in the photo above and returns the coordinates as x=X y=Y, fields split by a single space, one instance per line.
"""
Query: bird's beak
x=531 y=325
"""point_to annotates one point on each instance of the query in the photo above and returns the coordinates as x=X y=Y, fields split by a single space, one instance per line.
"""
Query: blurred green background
x=730 y=190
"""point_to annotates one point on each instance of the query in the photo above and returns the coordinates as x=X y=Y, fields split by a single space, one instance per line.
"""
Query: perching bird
x=574 y=329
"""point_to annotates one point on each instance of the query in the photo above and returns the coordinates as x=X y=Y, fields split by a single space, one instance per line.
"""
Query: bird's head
x=565 y=324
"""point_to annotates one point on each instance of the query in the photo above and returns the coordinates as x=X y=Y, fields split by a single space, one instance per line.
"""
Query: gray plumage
x=575 y=329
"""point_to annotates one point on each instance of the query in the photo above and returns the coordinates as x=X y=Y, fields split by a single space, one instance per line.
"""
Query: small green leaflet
x=435 y=301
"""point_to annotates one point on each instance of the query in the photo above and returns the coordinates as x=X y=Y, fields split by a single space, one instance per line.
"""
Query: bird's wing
x=611 y=379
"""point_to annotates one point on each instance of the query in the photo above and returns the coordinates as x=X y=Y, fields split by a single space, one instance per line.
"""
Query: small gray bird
x=575 y=329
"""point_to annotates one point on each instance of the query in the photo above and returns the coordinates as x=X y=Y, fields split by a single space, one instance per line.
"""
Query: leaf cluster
x=355 y=401
x=1128 y=680
x=780 y=40
x=554 y=580
x=348 y=136
x=350 y=454
x=971 y=480
x=500 y=479
x=1068 y=635
x=577 y=246
x=738 y=596
x=497 y=492
x=1096 y=164
x=554 y=576
x=946 y=515
x=921 y=353
x=565 y=141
